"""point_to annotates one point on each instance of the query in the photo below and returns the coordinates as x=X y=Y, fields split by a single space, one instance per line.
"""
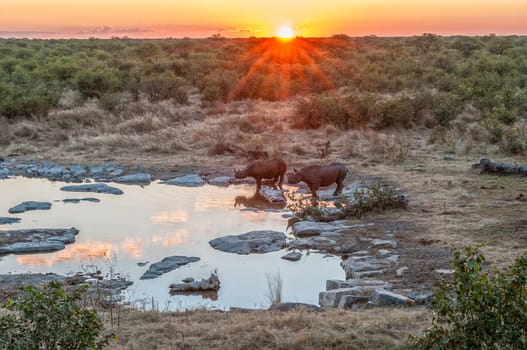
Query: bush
x=478 y=309
x=49 y=318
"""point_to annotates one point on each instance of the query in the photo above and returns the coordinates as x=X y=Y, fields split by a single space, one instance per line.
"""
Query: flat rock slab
x=222 y=181
x=7 y=221
x=357 y=282
x=344 y=298
x=166 y=265
x=310 y=228
x=134 y=179
x=29 y=205
x=208 y=284
x=272 y=195
x=78 y=200
x=289 y=306
x=251 y=242
x=381 y=297
x=292 y=256
x=96 y=187
x=186 y=181
x=35 y=240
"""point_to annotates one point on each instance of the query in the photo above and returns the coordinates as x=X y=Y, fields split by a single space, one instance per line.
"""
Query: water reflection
x=171 y=239
x=150 y=223
x=169 y=217
x=77 y=252
x=256 y=201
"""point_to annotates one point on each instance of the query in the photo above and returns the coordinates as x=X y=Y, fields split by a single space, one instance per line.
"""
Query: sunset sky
x=237 y=18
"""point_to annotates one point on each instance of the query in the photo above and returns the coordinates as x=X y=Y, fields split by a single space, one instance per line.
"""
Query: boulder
x=272 y=195
x=78 y=200
x=377 y=243
x=344 y=297
x=186 y=181
x=251 y=242
x=310 y=228
x=222 y=181
x=7 y=221
x=95 y=187
x=166 y=265
x=382 y=297
x=29 y=205
x=292 y=256
x=211 y=283
x=134 y=179
x=360 y=266
x=35 y=240
x=357 y=282
x=294 y=306
x=4 y=173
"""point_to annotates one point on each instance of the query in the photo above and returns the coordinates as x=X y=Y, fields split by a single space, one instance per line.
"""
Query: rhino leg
x=275 y=180
x=338 y=191
x=314 y=189
x=281 y=181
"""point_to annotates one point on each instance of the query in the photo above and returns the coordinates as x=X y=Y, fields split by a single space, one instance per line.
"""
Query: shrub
x=49 y=318
x=479 y=309
x=399 y=112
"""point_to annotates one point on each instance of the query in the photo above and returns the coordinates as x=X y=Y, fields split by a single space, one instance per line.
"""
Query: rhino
x=264 y=169
x=320 y=175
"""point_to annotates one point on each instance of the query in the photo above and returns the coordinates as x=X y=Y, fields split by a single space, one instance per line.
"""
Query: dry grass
x=333 y=329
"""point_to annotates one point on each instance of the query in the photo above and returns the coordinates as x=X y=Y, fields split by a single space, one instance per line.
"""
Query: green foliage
x=50 y=318
x=481 y=308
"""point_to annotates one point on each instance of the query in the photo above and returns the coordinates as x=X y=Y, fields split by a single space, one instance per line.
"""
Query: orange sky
x=241 y=18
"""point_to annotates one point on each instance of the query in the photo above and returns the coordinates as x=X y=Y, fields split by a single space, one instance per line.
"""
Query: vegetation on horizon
x=427 y=81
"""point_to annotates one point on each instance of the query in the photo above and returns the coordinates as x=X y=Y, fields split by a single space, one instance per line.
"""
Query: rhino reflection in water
x=257 y=201
x=316 y=176
x=264 y=169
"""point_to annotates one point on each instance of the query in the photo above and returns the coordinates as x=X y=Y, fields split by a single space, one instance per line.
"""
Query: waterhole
x=148 y=223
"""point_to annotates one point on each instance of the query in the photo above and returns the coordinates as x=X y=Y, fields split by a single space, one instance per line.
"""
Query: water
x=152 y=222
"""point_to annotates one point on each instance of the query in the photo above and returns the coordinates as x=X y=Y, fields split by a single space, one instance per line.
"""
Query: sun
x=285 y=33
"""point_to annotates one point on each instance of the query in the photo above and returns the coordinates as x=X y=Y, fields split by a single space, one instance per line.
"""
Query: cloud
x=238 y=30
x=105 y=30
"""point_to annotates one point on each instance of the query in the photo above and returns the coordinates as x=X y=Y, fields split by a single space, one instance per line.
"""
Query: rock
x=357 y=282
x=344 y=297
x=166 y=265
x=310 y=228
x=8 y=221
x=78 y=200
x=222 y=181
x=95 y=187
x=448 y=157
x=134 y=179
x=211 y=283
x=444 y=272
x=383 y=243
x=186 y=181
x=319 y=243
x=29 y=205
x=292 y=256
x=272 y=195
x=78 y=171
x=251 y=242
x=381 y=297
x=284 y=307
x=400 y=272
x=35 y=240
x=423 y=298
x=363 y=266
x=4 y=173
x=187 y=279
x=142 y=263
